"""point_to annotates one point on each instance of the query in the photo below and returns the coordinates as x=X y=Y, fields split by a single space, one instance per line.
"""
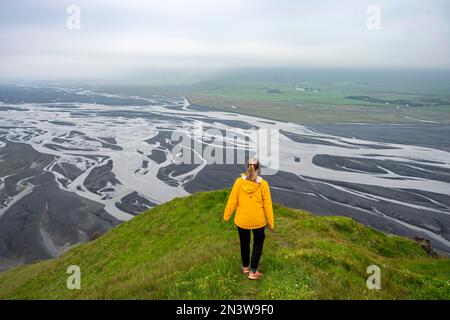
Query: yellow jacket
x=252 y=203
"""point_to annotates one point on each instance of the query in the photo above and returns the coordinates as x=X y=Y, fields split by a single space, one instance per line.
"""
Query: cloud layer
x=122 y=37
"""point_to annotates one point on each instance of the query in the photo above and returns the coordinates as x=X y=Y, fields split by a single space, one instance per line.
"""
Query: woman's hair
x=252 y=171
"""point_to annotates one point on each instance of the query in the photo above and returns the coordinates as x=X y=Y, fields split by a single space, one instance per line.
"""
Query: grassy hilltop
x=183 y=249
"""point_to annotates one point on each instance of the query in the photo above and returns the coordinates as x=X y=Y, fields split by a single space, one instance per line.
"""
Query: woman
x=250 y=197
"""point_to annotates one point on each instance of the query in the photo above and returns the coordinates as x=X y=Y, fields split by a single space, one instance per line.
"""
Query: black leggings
x=258 y=241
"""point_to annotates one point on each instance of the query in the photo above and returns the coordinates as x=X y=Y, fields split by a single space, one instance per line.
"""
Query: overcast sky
x=122 y=37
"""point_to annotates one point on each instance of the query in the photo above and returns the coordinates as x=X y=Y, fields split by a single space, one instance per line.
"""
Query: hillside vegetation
x=184 y=250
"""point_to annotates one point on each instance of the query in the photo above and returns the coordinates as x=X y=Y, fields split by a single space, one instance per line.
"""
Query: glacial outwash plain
x=77 y=161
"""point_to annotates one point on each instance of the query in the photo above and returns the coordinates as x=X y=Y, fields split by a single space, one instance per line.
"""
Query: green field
x=327 y=106
x=246 y=92
x=184 y=250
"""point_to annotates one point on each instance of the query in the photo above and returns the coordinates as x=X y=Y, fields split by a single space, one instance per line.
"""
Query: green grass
x=246 y=93
x=327 y=106
x=184 y=250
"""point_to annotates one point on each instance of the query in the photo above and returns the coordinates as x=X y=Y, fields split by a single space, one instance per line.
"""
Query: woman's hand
x=270 y=228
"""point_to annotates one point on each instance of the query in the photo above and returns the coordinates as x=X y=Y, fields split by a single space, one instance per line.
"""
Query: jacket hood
x=250 y=186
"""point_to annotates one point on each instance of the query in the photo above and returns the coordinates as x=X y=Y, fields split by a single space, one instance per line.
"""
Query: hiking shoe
x=254 y=275
x=245 y=269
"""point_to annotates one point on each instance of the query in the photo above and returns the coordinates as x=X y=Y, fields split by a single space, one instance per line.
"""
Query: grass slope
x=183 y=249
